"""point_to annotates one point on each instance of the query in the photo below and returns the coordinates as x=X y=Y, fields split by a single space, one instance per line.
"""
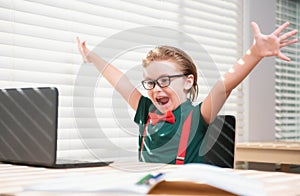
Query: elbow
x=227 y=93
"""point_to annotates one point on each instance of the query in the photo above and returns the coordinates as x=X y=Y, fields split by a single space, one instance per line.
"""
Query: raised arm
x=114 y=76
x=263 y=46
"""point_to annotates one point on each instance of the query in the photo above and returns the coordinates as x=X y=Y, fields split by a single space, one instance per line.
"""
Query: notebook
x=28 y=129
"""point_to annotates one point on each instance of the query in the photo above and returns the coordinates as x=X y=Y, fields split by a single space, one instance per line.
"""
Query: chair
x=220 y=142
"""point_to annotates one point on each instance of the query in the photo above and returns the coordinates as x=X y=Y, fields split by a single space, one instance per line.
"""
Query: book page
x=142 y=182
x=218 y=177
x=80 y=182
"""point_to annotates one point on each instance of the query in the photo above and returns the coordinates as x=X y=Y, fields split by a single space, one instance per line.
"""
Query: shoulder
x=198 y=115
x=144 y=103
x=142 y=111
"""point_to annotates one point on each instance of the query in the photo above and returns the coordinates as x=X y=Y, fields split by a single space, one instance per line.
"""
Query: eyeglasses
x=162 y=81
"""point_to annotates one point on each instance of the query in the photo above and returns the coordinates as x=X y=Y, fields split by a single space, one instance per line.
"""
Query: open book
x=200 y=179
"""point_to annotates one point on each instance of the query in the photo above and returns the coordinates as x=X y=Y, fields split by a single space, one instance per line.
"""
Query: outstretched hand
x=270 y=45
x=84 y=51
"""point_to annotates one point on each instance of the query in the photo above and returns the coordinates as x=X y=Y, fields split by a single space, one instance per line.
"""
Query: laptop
x=28 y=129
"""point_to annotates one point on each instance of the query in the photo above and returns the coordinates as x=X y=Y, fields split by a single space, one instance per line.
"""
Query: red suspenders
x=143 y=138
x=186 y=128
x=182 y=143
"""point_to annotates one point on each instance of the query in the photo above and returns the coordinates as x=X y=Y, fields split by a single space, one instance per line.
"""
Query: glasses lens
x=148 y=84
x=163 y=81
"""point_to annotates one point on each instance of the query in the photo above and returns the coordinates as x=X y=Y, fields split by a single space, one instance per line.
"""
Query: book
x=203 y=179
x=188 y=179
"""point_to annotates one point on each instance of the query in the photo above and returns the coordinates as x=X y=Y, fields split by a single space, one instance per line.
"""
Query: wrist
x=92 y=57
x=254 y=53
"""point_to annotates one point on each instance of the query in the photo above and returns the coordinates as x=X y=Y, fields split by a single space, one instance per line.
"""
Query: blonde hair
x=169 y=53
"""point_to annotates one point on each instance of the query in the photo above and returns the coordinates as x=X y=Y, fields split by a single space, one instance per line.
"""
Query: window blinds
x=38 y=48
x=288 y=77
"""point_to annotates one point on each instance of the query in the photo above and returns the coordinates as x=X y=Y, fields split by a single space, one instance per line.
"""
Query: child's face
x=170 y=97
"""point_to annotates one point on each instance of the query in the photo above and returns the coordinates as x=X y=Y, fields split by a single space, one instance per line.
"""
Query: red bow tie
x=156 y=118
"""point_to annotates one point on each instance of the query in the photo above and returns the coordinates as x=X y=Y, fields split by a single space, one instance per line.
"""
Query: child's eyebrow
x=148 y=78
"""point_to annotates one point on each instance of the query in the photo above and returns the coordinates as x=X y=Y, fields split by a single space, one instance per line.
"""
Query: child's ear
x=189 y=82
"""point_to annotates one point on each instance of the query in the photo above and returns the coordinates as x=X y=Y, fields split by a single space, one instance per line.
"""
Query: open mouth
x=162 y=100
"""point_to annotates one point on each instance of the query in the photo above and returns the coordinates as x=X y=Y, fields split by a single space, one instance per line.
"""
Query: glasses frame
x=156 y=81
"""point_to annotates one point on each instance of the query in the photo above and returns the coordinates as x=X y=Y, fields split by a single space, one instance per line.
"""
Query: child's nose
x=157 y=87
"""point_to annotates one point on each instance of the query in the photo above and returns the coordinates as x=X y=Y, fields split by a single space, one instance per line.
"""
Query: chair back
x=220 y=142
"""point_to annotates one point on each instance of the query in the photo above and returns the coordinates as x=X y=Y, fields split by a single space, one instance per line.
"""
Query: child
x=171 y=129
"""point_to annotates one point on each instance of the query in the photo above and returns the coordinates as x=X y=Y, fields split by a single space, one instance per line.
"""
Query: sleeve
x=201 y=120
x=141 y=115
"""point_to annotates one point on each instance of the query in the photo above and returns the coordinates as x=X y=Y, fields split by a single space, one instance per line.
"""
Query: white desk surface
x=14 y=178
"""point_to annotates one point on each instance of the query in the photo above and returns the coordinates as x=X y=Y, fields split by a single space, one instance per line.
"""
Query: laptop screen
x=28 y=124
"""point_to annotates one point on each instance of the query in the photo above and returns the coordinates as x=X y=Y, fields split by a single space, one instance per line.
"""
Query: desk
x=283 y=153
x=14 y=178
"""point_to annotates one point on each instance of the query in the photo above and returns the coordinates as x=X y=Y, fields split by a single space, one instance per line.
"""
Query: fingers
x=281 y=28
x=288 y=35
x=283 y=57
x=289 y=42
x=284 y=39
x=255 y=28
x=82 y=49
x=285 y=42
x=81 y=46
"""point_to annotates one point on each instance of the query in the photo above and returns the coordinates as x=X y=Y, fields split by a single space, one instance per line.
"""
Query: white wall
x=260 y=84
